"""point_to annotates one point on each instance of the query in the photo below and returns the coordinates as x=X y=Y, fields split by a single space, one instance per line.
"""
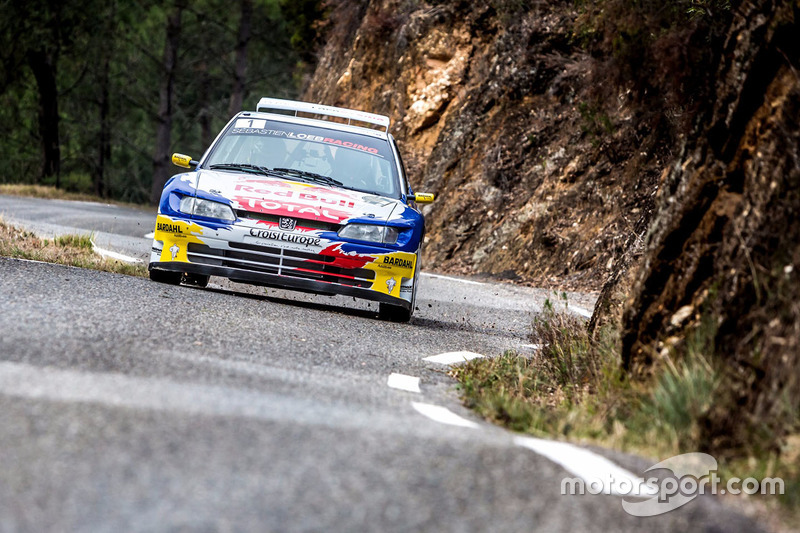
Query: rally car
x=296 y=196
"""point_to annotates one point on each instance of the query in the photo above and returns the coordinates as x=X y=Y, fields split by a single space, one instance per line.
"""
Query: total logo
x=256 y=204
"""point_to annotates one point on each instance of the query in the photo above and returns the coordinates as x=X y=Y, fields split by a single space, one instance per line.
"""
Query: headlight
x=368 y=232
x=206 y=208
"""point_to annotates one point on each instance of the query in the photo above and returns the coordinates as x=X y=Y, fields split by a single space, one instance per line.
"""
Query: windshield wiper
x=311 y=176
x=279 y=172
x=245 y=167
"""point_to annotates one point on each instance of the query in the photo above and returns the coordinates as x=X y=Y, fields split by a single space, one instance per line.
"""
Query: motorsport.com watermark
x=692 y=475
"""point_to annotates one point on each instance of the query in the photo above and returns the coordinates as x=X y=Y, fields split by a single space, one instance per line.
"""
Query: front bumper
x=253 y=252
x=281 y=282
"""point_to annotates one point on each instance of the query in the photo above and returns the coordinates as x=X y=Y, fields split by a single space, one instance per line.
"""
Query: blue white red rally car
x=296 y=196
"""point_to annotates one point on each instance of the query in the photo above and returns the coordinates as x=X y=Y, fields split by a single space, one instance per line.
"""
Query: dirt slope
x=494 y=110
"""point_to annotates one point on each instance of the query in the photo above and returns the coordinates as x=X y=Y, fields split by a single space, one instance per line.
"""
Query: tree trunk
x=104 y=137
x=240 y=67
x=206 y=135
x=101 y=187
x=161 y=157
x=43 y=66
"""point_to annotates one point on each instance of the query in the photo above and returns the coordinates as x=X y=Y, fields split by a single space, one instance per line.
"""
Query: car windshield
x=307 y=153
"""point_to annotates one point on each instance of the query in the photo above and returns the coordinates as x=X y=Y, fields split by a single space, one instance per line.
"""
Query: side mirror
x=422 y=197
x=185 y=161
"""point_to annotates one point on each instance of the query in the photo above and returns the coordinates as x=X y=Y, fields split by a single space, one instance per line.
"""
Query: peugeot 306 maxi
x=318 y=203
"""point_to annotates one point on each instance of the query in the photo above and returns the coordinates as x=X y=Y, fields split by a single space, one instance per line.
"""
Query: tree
x=240 y=64
x=95 y=94
x=103 y=102
x=39 y=31
x=43 y=63
x=165 y=103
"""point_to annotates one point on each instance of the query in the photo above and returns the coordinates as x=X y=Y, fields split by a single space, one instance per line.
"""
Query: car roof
x=322 y=116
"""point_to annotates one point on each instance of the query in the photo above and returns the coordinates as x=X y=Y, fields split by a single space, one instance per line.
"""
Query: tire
x=165 y=276
x=393 y=313
x=196 y=280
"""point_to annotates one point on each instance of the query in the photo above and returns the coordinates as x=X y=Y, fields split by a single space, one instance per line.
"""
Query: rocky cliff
x=652 y=152
x=495 y=110
x=723 y=250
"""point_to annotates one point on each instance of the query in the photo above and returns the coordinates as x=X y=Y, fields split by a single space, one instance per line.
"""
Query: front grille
x=301 y=222
x=273 y=260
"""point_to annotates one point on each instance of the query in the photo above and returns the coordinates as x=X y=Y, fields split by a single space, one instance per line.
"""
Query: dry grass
x=72 y=250
x=574 y=388
x=564 y=388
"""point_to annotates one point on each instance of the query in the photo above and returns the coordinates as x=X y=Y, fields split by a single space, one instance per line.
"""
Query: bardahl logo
x=169 y=228
x=396 y=261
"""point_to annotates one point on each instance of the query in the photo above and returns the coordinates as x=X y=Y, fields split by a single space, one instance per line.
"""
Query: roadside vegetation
x=71 y=250
x=97 y=108
x=51 y=193
x=574 y=388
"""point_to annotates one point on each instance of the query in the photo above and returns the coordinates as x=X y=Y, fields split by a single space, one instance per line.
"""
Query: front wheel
x=165 y=276
x=196 y=280
x=393 y=313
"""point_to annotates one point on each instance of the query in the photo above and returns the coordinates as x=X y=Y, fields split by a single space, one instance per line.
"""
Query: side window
x=403 y=173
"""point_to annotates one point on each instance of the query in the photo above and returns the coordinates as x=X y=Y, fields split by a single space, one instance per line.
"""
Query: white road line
x=580 y=310
x=403 y=382
x=37 y=262
x=443 y=415
x=150 y=235
x=92 y=204
x=437 y=276
x=452 y=358
x=590 y=467
x=108 y=254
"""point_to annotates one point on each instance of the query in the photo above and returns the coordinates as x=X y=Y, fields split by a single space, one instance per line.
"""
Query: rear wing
x=266 y=104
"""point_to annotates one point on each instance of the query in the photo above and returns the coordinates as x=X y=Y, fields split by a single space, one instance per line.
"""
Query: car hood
x=284 y=197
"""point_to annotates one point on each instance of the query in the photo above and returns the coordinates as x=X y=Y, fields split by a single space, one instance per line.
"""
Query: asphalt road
x=126 y=405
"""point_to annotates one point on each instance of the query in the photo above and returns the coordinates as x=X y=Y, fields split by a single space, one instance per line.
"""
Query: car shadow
x=362 y=313
x=422 y=319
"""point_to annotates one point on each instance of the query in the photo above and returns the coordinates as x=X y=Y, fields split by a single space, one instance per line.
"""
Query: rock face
x=724 y=247
x=494 y=112
x=542 y=177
